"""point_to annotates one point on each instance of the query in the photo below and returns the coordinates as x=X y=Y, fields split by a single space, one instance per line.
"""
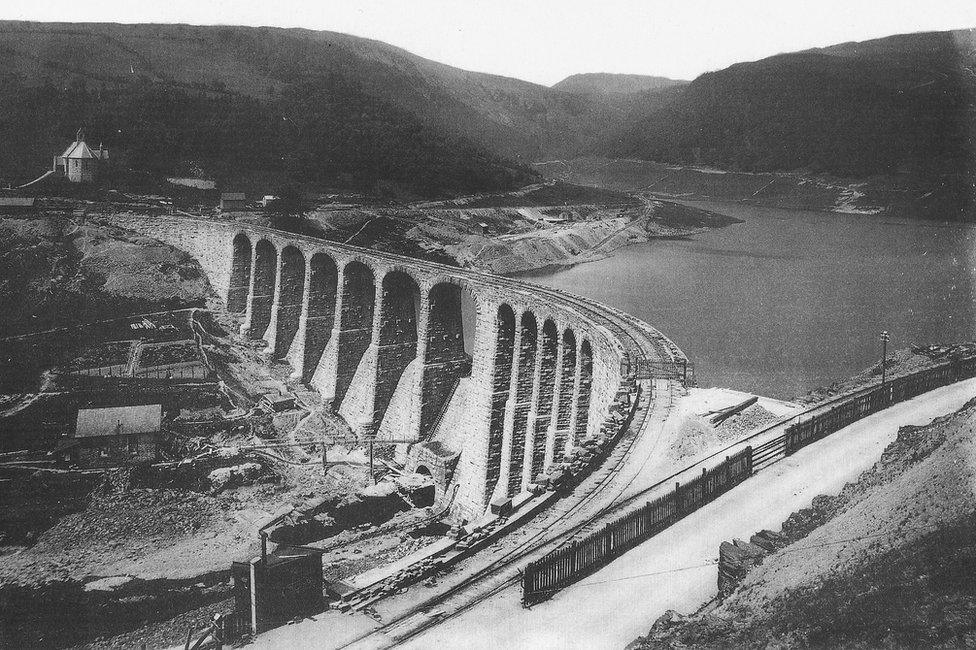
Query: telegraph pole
x=884 y=356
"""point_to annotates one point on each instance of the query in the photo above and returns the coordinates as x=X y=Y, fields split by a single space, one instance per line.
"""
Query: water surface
x=791 y=300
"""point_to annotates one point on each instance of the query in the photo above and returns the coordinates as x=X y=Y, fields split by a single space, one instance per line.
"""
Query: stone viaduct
x=493 y=380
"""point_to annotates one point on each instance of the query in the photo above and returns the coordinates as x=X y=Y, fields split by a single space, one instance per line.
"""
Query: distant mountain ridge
x=339 y=109
x=514 y=119
x=605 y=83
x=902 y=107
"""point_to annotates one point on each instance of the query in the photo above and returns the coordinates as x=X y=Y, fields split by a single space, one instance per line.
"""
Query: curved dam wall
x=384 y=338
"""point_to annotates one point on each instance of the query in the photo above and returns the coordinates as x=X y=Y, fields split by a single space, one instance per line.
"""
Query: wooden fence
x=876 y=399
x=564 y=566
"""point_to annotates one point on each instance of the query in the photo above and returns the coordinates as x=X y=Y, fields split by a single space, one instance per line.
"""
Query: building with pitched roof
x=118 y=435
x=80 y=163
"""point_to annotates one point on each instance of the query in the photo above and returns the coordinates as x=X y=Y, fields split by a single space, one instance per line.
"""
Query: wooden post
x=372 y=475
x=254 y=597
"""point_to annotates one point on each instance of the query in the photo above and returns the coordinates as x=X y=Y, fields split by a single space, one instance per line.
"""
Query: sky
x=547 y=40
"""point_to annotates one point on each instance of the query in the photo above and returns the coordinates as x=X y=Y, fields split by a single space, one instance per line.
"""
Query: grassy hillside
x=238 y=100
x=898 y=106
x=511 y=118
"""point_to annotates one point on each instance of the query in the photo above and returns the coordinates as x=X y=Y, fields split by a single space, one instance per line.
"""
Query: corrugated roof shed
x=119 y=420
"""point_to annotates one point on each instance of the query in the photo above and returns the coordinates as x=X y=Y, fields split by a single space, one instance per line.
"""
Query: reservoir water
x=791 y=300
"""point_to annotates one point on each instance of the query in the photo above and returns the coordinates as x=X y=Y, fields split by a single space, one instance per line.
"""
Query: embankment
x=898 y=195
x=885 y=563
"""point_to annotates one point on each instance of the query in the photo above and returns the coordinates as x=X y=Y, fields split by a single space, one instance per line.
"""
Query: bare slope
x=56 y=273
x=885 y=563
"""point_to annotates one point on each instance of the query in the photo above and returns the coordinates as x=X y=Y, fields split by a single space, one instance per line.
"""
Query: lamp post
x=884 y=356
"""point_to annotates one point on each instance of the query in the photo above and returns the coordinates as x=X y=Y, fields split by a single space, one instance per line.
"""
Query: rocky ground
x=537 y=227
x=899 y=362
x=886 y=563
x=56 y=271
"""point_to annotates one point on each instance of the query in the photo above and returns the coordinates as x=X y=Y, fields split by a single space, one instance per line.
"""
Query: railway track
x=598 y=494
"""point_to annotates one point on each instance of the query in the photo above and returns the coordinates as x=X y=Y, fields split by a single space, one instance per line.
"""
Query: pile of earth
x=55 y=272
x=696 y=434
x=886 y=563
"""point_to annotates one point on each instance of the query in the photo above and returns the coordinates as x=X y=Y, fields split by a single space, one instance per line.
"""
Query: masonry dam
x=489 y=380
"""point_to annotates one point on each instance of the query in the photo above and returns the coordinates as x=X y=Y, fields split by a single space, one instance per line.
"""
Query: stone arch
x=290 y=295
x=240 y=274
x=501 y=378
x=567 y=376
x=399 y=317
x=423 y=470
x=265 y=272
x=469 y=307
x=446 y=360
x=524 y=381
x=583 y=395
x=355 y=322
x=322 y=288
x=548 y=372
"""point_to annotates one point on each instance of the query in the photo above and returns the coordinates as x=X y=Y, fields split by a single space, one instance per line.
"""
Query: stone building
x=80 y=163
x=120 y=435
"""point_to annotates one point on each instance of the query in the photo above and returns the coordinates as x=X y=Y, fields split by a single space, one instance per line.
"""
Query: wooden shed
x=118 y=435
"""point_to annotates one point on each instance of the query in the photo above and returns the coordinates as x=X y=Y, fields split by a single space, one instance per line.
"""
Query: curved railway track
x=551 y=530
x=597 y=493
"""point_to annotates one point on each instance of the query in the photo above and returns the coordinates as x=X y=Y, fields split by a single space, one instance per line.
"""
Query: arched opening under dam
x=450 y=339
x=585 y=389
x=323 y=282
x=524 y=383
x=503 y=354
x=240 y=274
x=290 y=294
x=399 y=314
x=355 y=323
x=547 y=388
x=265 y=270
x=567 y=377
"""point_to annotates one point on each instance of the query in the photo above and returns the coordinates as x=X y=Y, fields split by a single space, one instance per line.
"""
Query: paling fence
x=569 y=564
